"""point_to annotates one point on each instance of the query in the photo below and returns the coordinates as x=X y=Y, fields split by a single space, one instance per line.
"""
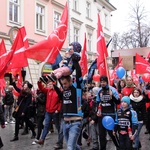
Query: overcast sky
x=119 y=20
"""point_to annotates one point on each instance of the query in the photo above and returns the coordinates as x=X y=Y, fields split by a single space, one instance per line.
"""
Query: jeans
x=48 y=120
x=71 y=133
x=8 y=112
x=60 y=135
x=94 y=134
x=136 y=140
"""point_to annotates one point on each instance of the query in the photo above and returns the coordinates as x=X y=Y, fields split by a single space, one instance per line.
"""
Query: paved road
x=25 y=142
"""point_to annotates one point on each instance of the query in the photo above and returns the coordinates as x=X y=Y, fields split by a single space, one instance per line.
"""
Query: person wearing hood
x=138 y=103
x=126 y=124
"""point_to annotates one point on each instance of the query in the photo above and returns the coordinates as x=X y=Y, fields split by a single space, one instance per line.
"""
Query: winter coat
x=139 y=105
x=53 y=102
x=40 y=104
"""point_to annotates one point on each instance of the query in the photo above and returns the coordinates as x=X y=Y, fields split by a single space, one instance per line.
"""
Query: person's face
x=71 y=51
x=50 y=85
x=103 y=83
x=129 y=81
x=25 y=86
x=66 y=84
x=124 y=105
x=136 y=93
x=122 y=84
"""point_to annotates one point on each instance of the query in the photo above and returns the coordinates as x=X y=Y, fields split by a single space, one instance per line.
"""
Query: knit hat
x=126 y=99
x=104 y=78
x=76 y=46
x=28 y=84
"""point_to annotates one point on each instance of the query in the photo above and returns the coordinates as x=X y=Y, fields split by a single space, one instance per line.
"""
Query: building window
x=14 y=11
x=40 y=18
x=56 y=19
x=89 y=41
x=75 y=5
x=76 y=34
x=88 y=10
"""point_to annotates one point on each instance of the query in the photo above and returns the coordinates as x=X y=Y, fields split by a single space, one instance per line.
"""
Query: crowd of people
x=77 y=110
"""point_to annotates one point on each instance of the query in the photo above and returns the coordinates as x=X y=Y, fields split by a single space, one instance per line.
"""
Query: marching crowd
x=78 y=110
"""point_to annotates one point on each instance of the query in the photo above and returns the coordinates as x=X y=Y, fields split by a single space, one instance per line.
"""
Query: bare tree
x=139 y=32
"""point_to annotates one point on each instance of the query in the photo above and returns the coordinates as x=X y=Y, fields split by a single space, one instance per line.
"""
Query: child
x=126 y=124
x=68 y=66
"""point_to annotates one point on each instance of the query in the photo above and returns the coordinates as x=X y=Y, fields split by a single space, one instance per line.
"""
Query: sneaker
x=11 y=122
x=6 y=123
x=57 y=146
x=33 y=143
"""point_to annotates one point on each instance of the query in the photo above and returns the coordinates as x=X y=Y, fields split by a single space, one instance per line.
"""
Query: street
x=25 y=141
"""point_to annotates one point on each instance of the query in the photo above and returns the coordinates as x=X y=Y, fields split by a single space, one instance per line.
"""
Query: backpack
x=8 y=98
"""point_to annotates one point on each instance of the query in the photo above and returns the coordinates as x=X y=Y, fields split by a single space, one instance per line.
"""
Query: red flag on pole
x=83 y=61
x=2 y=86
x=6 y=63
x=141 y=65
x=19 y=59
x=101 y=50
x=2 y=52
x=48 y=49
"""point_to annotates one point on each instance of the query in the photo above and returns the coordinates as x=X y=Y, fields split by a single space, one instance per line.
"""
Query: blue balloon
x=108 y=122
x=120 y=72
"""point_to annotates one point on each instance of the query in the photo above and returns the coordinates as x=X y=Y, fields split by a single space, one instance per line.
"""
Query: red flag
x=141 y=65
x=101 y=50
x=19 y=59
x=24 y=37
x=6 y=63
x=83 y=61
x=48 y=49
x=2 y=87
x=134 y=76
x=2 y=52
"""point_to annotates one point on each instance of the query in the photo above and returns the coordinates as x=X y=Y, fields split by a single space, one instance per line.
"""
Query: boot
x=24 y=132
x=14 y=139
x=1 y=143
x=33 y=135
x=40 y=142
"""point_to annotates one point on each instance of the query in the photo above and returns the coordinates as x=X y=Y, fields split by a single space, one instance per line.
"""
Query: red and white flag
x=2 y=52
x=141 y=65
x=48 y=49
x=101 y=50
x=19 y=59
x=83 y=61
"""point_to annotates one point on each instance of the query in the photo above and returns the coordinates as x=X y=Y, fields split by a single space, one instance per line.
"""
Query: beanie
x=76 y=46
x=29 y=85
x=104 y=78
x=126 y=99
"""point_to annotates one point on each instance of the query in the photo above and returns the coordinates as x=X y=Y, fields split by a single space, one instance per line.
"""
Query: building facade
x=41 y=17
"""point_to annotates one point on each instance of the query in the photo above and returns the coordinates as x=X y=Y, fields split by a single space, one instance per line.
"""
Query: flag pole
x=31 y=77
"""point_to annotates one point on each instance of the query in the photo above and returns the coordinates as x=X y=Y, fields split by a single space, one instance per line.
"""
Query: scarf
x=136 y=99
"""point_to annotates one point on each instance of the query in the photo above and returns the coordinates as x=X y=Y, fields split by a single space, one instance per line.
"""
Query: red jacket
x=53 y=102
